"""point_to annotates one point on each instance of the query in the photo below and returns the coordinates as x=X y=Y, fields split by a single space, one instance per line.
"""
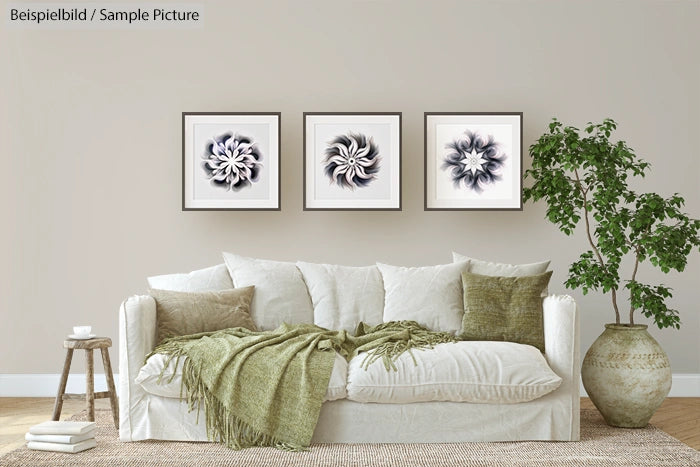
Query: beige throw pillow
x=504 y=308
x=182 y=313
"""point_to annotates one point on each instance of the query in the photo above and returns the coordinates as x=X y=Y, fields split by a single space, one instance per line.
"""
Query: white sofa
x=554 y=416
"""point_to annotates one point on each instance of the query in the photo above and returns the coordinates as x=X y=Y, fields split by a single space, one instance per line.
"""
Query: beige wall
x=91 y=142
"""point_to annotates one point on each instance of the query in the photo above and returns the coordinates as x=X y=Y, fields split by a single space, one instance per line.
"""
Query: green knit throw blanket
x=266 y=388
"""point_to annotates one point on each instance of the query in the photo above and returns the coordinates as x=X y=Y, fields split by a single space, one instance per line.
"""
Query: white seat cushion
x=474 y=371
x=343 y=295
x=150 y=373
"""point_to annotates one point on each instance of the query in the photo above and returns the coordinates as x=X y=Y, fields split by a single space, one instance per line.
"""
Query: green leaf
x=584 y=176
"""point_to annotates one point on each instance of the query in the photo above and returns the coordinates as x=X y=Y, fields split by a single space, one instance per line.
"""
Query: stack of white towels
x=62 y=436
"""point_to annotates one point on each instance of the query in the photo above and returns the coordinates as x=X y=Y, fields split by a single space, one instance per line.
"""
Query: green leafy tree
x=583 y=176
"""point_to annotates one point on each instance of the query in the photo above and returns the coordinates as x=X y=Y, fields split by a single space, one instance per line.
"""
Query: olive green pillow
x=182 y=313
x=504 y=308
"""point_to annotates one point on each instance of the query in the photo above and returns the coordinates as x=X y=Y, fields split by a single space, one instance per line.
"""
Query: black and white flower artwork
x=232 y=161
x=351 y=160
x=474 y=161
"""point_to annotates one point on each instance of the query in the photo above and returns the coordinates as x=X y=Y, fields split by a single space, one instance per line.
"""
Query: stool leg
x=90 y=383
x=58 y=405
x=110 y=386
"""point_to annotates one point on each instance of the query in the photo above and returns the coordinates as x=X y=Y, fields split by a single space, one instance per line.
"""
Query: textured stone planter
x=627 y=375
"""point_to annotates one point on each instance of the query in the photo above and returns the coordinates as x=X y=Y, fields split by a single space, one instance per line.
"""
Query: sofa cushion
x=481 y=372
x=149 y=376
x=169 y=385
x=201 y=280
x=504 y=308
x=280 y=291
x=182 y=313
x=489 y=268
x=343 y=296
x=430 y=295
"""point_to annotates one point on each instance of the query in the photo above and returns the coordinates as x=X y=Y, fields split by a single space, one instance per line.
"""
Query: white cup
x=82 y=331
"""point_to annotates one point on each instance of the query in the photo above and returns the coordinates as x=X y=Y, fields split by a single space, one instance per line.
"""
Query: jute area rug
x=600 y=445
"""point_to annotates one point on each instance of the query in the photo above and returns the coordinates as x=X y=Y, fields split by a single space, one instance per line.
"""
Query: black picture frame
x=435 y=163
x=193 y=142
x=349 y=121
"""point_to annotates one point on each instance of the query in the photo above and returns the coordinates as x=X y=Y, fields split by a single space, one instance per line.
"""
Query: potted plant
x=583 y=176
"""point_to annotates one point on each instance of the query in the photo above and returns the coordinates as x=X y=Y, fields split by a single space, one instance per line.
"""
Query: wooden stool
x=102 y=343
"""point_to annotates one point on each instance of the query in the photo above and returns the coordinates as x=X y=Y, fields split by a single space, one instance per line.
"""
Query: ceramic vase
x=627 y=375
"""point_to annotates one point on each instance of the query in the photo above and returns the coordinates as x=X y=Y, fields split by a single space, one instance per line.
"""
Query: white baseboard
x=46 y=385
x=682 y=385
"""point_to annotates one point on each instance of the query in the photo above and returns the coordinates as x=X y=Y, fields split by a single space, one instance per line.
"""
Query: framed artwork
x=230 y=161
x=473 y=161
x=352 y=161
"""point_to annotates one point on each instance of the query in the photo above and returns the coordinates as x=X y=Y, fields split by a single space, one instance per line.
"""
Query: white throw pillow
x=469 y=371
x=214 y=278
x=150 y=373
x=431 y=295
x=343 y=296
x=280 y=292
x=488 y=268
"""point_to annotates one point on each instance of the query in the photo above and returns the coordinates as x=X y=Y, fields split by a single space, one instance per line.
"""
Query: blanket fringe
x=418 y=338
x=222 y=425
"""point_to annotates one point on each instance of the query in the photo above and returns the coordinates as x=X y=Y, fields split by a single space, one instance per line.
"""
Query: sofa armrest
x=561 y=336
x=562 y=347
x=137 y=337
